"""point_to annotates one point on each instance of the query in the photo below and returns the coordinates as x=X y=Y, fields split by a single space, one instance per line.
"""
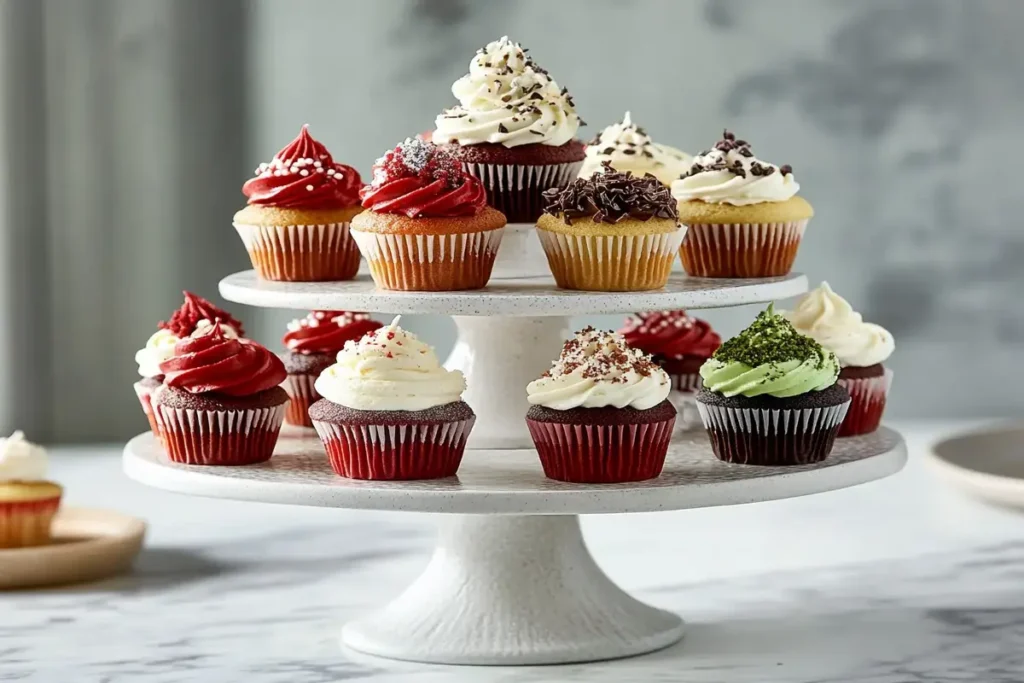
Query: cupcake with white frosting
x=625 y=146
x=744 y=215
x=861 y=348
x=28 y=502
x=601 y=413
x=514 y=128
x=390 y=411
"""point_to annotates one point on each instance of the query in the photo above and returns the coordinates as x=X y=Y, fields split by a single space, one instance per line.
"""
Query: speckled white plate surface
x=987 y=464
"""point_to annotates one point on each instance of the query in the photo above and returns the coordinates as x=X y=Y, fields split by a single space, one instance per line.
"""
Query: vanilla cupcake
x=625 y=146
x=28 y=502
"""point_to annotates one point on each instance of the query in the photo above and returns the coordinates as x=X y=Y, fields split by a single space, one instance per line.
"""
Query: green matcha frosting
x=770 y=358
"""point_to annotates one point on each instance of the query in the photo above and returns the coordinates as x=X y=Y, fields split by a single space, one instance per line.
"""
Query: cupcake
x=600 y=415
x=312 y=343
x=625 y=146
x=514 y=129
x=221 y=402
x=390 y=411
x=611 y=232
x=427 y=226
x=28 y=502
x=195 y=314
x=744 y=216
x=680 y=345
x=770 y=396
x=296 y=226
x=860 y=347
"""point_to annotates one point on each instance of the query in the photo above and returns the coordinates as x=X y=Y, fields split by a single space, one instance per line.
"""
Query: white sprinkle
x=309 y=188
x=303 y=172
x=317 y=164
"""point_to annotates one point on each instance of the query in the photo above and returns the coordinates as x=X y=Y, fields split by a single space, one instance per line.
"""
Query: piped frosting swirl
x=671 y=334
x=627 y=147
x=729 y=173
x=212 y=362
x=831 y=321
x=327 y=331
x=21 y=460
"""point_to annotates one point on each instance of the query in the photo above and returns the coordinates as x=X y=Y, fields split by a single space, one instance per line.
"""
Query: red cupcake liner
x=395 y=452
x=601 y=454
x=219 y=437
x=301 y=394
x=25 y=523
x=741 y=249
x=517 y=189
x=867 y=396
x=301 y=253
x=145 y=393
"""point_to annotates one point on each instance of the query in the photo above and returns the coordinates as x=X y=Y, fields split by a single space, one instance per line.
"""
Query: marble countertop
x=897 y=581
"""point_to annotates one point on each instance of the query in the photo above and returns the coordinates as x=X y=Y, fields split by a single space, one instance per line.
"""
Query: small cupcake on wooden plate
x=600 y=415
x=28 y=502
x=626 y=146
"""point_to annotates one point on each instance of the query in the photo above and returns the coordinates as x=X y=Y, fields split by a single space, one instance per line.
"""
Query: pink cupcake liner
x=301 y=395
x=145 y=394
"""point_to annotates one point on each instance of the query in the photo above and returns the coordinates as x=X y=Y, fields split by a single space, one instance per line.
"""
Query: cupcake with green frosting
x=770 y=396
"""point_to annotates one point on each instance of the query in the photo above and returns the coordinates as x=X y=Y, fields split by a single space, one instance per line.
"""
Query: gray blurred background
x=128 y=126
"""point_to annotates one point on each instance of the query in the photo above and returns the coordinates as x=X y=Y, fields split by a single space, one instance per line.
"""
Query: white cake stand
x=511 y=581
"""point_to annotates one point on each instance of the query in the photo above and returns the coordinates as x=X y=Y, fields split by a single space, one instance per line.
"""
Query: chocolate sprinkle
x=707 y=161
x=610 y=197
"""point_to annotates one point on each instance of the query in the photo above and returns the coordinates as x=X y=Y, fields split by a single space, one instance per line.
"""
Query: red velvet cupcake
x=390 y=411
x=221 y=402
x=312 y=344
x=600 y=415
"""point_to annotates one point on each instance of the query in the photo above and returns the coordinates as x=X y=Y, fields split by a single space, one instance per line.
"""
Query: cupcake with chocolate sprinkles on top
x=744 y=216
x=611 y=232
x=601 y=414
x=627 y=147
x=770 y=396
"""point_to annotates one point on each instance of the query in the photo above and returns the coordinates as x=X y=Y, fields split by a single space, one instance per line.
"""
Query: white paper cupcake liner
x=300 y=252
x=426 y=248
x=450 y=434
x=611 y=263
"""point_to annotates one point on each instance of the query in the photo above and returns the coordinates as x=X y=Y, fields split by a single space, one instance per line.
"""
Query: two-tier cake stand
x=511 y=580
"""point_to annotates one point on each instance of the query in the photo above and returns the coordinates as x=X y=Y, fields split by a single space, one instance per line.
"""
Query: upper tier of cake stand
x=522 y=297
x=511 y=482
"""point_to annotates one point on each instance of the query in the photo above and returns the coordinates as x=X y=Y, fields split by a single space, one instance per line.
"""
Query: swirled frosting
x=770 y=358
x=213 y=362
x=418 y=178
x=627 y=147
x=830 y=320
x=729 y=173
x=597 y=369
x=303 y=175
x=389 y=369
x=184 y=321
x=159 y=347
x=21 y=460
x=507 y=98
x=610 y=197
x=671 y=334
x=327 y=331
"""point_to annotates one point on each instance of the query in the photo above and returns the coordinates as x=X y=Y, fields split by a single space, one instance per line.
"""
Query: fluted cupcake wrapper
x=219 y=437
x=867 y=396
x=301 y=395
x=26 y=523
x=430 y=263
x=145 y=393
x=301 y=253
x=755 y=436
x=741 y=249
x=517 y=189
x=395 y=452
x=601 y=263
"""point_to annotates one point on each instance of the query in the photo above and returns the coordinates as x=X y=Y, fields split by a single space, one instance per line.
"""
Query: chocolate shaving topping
x=502 y=128
x=610 y=197
x=714 y=159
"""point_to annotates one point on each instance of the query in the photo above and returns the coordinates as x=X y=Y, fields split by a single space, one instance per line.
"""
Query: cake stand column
x=512 y=590
x=500 y=356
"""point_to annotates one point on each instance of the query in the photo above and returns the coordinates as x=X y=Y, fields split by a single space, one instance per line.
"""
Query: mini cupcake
x=221 y=402
x=600 y=415
x=390 y=411
x=625 y=146
x=312 y=344
x=296 y=226
x=514 y=129
x=744 y=216
x=860 y=347
x=612 y=232
x=28 y=502
x=770 y=396
x=680 y=345
x=427 y=226
x=195 y=314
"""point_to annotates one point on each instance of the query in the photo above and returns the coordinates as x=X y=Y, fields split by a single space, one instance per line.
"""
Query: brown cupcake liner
x=145 y=393
x=301 y=253
x=430 y=263
x=601 y=454
x=741 y=249
x=219 y=437
x=867 y=403
x=395 y=452
x=301 y=395
x=25 y=523
x=516 y=189
x=600 y=263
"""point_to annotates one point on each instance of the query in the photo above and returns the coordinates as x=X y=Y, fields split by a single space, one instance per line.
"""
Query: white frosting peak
x=21 y=460
x=160 y=346
x=829 y=319
x=731 y=174
x=628 y=148
x=389 y=369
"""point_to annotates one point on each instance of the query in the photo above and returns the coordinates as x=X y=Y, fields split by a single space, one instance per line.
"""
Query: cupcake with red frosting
x=680 y=344
x=194 y=316
x=221 y=402
x=312 y=344
x=296 y=226
x=427 y=226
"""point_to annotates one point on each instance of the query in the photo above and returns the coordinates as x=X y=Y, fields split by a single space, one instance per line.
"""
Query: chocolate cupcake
x=860 y=347
x=601 y=414
x=390 y=411
x=312 y=344
x=514 y=129
x=770 y=396
x=625 y=146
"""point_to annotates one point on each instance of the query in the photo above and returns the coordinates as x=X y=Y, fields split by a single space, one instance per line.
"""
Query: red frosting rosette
x=183 y=322
x=327 y=331
x=671 y=334
x=213 y=363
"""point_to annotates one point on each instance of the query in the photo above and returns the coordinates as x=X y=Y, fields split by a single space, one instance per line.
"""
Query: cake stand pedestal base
x=512 y=590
